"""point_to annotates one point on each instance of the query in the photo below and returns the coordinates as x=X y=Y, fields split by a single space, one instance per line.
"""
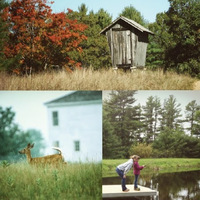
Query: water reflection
x=171 y=186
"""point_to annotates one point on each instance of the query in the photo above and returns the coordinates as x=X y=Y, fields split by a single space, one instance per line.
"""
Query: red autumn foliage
x=41 y=37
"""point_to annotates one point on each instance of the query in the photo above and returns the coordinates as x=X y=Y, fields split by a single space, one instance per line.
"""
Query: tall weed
x=87 y=79
x=74 y=181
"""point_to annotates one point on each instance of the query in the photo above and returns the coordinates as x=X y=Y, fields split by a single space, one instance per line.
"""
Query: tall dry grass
x=88 y=79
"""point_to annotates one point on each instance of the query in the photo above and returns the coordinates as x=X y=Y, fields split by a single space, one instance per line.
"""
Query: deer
x=54 y=159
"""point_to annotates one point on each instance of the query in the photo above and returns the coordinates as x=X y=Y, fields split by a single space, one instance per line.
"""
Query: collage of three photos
x=99 y=100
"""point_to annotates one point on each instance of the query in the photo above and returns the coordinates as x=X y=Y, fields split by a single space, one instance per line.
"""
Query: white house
x=75 y=125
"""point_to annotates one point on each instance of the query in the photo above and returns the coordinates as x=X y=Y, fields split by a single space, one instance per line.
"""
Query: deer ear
x=28 y=145
x=31 y=146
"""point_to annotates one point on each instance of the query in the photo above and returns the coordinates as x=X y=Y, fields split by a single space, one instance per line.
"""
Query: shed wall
x=127 y=45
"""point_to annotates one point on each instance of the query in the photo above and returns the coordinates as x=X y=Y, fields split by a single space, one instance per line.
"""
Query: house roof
x=128 y=21
x=78 y=96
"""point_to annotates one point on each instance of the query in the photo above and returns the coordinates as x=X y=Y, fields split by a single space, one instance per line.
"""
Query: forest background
x=155 y=129
x=33 y=38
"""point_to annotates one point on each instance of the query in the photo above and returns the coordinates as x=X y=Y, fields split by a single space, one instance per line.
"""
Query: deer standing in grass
x=54 y=159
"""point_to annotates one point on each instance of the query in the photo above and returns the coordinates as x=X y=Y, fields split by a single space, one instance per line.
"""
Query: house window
x=55 y=118
x=77 y=145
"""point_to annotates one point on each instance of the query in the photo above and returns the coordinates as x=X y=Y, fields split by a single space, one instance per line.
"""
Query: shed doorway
x=122 y=48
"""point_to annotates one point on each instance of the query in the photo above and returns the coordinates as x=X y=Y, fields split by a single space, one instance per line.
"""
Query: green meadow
x=161 y=165
x=72 y=181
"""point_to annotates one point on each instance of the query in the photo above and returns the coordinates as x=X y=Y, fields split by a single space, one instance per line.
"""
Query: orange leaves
x=16 y=71
x=37 y=38
x=69 y=10
x=40 y=35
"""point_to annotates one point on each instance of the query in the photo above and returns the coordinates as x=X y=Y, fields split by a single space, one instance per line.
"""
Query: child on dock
x=136 y=171
x=122 y=170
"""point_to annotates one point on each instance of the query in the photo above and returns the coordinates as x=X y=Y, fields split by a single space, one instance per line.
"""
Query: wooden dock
x=113 y=191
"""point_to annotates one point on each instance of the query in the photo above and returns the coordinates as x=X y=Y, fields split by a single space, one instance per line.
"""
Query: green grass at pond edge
x=153 y=165
x=74 y=181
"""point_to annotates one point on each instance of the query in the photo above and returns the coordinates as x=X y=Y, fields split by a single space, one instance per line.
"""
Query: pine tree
x=132 y=13
x=170 y=115
x=176 y=40
x=112 y=147
x=196 y=125
x=151 y=112
x=120 y=112
x=191 y=110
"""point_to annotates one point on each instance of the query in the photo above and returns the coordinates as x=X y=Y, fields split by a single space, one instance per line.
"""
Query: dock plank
x=110 y=191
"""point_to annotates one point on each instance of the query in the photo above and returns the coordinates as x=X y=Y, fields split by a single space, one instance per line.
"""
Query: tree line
x=33 y=38
x=13 y=139
x=154 y=127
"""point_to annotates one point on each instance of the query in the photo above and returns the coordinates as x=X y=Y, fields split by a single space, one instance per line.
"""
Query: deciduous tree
x=96 y=52
x=39 y=36
x=3 y=35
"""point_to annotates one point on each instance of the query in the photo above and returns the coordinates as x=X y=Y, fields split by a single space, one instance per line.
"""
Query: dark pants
x=136 y=179
x=123 y=180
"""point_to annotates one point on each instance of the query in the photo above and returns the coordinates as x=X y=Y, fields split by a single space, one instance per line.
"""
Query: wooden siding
x=141 y=49
x=127 y=44
x=121 y=47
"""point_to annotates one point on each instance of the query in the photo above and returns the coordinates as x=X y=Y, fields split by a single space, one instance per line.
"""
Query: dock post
x=157 y=192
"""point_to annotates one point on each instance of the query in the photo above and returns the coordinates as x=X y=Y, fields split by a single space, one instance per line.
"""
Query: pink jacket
x=137 y=168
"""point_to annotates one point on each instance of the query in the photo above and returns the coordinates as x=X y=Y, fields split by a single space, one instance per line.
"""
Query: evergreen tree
x=196 y=125
x=131 y=13
x=156 y=47
x=151 y=113
x=136 y=125
x=175 y=143
x=191 y=110
x=149 y=119
x=12 y=138
x=112 y=147
x=170 y=115
x=96 y=52
x=120 y=109
x=176 y=39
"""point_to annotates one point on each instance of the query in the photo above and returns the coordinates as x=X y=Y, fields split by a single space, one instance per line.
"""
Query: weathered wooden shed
x=128 y=42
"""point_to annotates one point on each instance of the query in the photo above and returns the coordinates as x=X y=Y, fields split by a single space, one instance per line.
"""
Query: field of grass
x=98 y=80
x=161 y=165
x=74 y=181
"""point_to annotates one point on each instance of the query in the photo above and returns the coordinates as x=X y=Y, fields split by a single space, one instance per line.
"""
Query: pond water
x=171 y=186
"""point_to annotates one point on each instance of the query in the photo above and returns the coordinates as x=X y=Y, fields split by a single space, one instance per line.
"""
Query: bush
x=142 y=149
x=191 y=67
x=176 y=144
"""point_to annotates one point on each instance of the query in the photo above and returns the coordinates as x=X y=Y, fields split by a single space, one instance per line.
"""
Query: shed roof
x=78 y=96
x=128 y=21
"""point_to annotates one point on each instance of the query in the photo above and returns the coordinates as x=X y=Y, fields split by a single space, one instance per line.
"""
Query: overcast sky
x=148 y=8
x=31 y=113
x=182 y=96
